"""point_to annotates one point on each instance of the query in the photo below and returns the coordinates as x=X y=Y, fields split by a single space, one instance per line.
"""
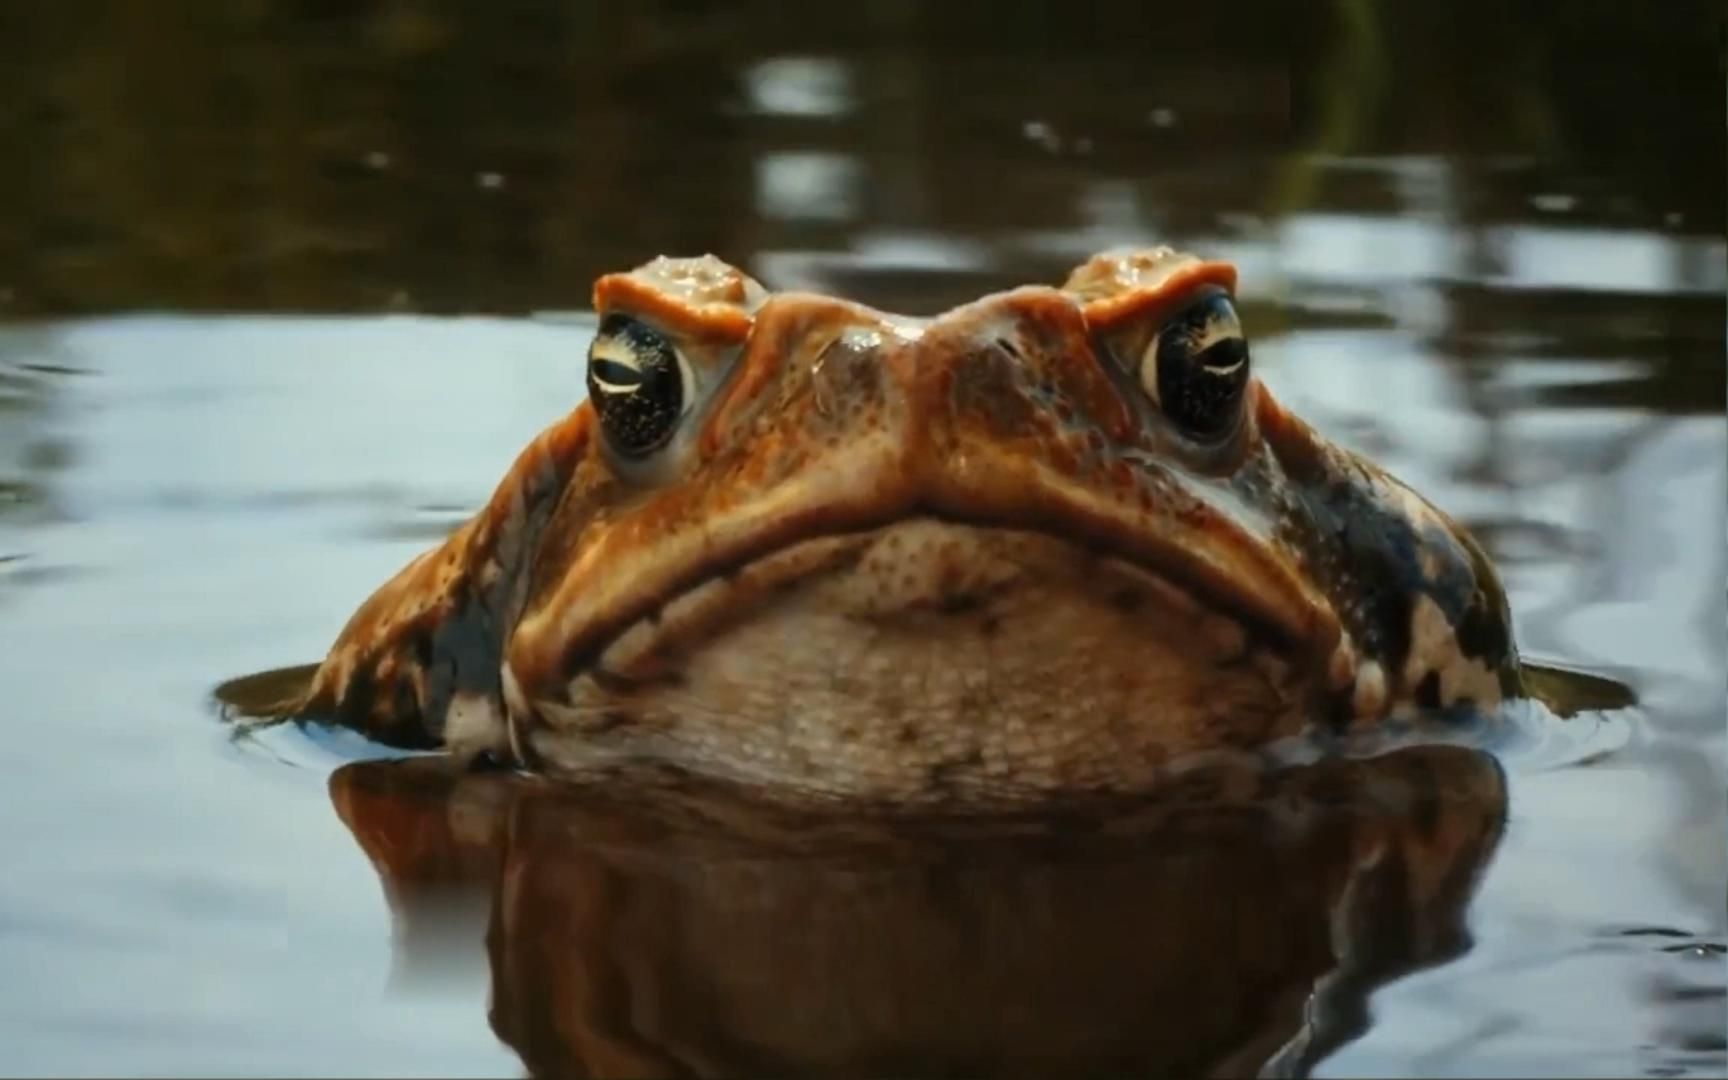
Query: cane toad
x=1045 y=542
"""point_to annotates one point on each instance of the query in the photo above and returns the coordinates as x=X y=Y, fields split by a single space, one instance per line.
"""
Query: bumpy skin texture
x=958 y=559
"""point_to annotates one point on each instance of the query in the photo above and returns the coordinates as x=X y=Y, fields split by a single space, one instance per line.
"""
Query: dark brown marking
x=402 y=694
x=357 y=703
x=354 y=697
x=422 y=644
x=1482 y=633
x=958 y=603
x=1427 y=693
x=1337 y=710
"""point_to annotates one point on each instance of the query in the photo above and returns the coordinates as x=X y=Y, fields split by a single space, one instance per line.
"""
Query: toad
x=1047 y=542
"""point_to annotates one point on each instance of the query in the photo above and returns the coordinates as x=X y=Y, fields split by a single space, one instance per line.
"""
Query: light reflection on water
x=1304 y=252
x=800 y=86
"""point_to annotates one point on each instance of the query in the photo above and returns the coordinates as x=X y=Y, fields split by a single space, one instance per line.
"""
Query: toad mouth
x=676 y=606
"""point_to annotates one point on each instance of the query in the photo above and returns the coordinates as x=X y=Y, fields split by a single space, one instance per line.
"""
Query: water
x=279 y=312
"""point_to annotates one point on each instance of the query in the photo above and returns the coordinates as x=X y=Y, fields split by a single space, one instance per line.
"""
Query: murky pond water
x=279 y=316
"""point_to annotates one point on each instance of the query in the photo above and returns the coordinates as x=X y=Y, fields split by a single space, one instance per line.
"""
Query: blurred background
x=365 y=155
x=1481 y=241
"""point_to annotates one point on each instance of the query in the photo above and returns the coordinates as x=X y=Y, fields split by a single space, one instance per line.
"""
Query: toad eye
x=1197 y=368
x=639 y=383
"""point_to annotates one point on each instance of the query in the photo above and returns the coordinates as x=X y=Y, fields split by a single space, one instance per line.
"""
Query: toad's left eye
x=639 y=383
x=1196 y=369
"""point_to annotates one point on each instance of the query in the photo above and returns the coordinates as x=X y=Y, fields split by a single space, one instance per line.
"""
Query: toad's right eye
x=1196 y=369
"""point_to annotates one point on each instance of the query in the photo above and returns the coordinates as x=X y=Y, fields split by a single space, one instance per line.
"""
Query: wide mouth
x=940 y=565
x=927 y=659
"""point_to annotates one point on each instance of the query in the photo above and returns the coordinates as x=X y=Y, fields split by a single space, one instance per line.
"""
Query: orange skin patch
x=964 y=465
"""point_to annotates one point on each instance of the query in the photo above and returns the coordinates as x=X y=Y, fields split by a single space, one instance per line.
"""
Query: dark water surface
x=285 y=286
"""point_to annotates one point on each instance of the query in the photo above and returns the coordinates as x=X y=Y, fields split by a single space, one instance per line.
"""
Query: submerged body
x=1047 y=542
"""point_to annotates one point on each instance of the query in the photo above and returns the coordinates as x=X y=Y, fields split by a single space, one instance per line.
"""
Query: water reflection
x=1238 y=921
x=800 y=86
x=295 y=154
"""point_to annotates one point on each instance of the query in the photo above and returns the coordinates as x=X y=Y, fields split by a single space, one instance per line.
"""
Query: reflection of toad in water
x=1236 y=923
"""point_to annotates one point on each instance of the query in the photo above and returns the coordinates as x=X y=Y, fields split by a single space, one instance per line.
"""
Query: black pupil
x=635 y=384
x=610 y=373
x=1202 y=367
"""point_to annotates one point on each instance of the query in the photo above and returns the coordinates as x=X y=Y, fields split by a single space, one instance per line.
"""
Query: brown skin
x=972 y=559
